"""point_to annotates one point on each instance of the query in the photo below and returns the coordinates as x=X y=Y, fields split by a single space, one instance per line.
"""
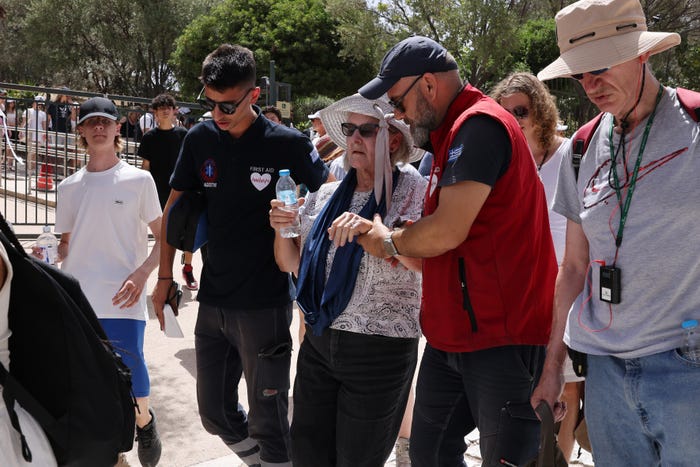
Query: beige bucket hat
x=597 y=34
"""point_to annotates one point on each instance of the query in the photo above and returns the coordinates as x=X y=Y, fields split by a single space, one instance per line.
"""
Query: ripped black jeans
x=257 y=344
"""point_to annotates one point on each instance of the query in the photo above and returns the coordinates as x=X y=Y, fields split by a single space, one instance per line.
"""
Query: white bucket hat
x=597 y=34
x=337 y=113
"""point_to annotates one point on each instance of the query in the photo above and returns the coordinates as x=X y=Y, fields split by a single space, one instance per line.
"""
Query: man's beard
x=426 y=122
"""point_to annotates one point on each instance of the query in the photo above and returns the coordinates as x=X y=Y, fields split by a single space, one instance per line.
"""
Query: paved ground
x=172 y=369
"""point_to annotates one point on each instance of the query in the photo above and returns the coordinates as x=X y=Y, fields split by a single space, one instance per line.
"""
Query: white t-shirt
x=549 y=173
x=147 y=122
x=36 y=124
x=107 y=215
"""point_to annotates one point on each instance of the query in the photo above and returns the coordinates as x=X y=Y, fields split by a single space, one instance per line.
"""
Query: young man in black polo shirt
x=245 y=307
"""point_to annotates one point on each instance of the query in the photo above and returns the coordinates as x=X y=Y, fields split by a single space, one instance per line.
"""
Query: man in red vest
x=488 y=268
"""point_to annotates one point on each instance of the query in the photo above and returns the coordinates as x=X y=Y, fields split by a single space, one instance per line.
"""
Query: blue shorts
x=126 y=335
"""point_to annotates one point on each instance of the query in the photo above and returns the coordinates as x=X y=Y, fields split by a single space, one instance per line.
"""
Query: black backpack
x=63 y=370
x=186 y=222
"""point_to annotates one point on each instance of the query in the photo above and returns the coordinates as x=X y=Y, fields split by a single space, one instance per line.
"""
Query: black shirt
x=238 y=176
x=131 y=130
x=161 y=149
x=480 y=152
x=60 y=117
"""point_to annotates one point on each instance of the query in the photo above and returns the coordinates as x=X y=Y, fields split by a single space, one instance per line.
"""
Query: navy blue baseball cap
x=410 y=57
x=97 y=107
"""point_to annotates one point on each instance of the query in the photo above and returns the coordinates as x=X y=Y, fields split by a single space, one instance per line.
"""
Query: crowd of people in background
x=426 y=208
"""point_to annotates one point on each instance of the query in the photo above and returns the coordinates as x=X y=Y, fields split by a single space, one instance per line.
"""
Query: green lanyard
x=633 y=180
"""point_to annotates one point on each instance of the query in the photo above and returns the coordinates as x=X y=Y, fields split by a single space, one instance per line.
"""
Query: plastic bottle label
x=288 y=196
x=48 y=254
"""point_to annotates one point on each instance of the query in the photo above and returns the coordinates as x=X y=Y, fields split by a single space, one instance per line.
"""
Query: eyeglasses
x=367 y=130
x=226 y=107
x=398 y=103
x=579 y=76
x=95 y=121
x=520 y=112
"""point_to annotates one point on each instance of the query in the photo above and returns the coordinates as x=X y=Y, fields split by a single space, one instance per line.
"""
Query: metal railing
x=50 y=155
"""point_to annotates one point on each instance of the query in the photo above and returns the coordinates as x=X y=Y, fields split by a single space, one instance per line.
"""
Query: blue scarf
x=321 y=303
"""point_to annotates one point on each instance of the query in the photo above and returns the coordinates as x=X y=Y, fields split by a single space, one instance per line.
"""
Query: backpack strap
x=690 y=100
x=9 y=387
x=581 y=139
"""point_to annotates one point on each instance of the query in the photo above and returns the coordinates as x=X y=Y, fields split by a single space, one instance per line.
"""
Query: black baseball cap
x=97 y=107
x=410 y=57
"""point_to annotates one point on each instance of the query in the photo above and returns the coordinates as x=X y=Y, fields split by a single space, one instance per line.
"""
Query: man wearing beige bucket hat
x=623 y=302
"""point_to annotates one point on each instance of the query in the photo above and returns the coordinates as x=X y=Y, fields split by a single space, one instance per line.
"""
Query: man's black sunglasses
x=225 y=107
x=579 y=76
x=367 y=130
x=398 y=103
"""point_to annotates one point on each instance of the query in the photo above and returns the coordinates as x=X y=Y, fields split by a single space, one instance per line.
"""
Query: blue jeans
x=643 y=411
x=488 y=389
x=257 y=344
x=349 y=398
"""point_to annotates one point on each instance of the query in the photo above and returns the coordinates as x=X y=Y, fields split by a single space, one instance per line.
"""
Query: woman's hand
x=346 y=227
x=280 y=217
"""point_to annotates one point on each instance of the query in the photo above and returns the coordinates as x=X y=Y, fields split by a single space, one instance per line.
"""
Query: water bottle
x=287 y=191
x=691 y=340
x=48 y=243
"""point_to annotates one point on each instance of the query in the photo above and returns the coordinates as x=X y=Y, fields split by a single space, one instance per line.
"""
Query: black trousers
x=487 y=389
x=350 y=394
x=255 y=343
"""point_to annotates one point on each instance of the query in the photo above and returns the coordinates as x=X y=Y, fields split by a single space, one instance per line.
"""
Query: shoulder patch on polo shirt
x=314 y=155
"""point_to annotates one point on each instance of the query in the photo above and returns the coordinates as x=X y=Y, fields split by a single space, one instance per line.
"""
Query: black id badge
x=610 y=284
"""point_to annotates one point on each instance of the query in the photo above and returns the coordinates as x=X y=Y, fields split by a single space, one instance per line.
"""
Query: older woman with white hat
x=627 y=284
x=357 y=360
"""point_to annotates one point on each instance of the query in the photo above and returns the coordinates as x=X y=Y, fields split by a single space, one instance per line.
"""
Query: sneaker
x=149 y=443
x=188 y=276
x=401 y=451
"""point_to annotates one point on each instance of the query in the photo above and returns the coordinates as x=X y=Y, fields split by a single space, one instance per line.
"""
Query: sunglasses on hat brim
x=579 y=76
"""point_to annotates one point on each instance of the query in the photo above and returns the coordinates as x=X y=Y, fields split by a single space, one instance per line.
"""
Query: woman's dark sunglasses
x=226 y=107
x=520 y=112
x=367 y=130
x=579 y=76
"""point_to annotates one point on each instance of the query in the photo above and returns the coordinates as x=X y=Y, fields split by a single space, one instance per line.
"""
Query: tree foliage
x=481 y=35
x=299 y=35
x=327 y=47
x=115 y=46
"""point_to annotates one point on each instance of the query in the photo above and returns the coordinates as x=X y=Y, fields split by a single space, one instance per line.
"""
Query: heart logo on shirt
x=260 y=181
